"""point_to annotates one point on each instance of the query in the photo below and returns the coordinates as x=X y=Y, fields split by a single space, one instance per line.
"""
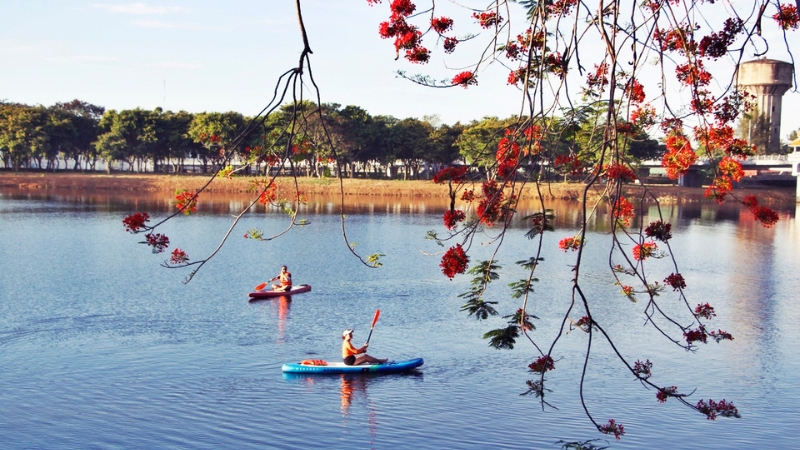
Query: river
x=103 y=348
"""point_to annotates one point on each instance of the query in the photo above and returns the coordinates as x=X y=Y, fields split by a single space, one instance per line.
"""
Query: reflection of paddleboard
x=267 y=293
x=340 y=367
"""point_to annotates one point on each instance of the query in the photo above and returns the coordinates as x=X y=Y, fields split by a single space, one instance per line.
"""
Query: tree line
x=77 y=135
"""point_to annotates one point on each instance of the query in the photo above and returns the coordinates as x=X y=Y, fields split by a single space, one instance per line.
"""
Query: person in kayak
x=285 y=278
x=356 y=356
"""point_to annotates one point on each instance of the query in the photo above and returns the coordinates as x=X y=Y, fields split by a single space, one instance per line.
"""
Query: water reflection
x=283 y=305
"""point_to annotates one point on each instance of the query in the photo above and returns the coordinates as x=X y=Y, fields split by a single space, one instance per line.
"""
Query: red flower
x=787 y=17
x=698 y=335
x=402 y=7
x=712 y=408
x=542 y=365
x=623 y=211
x=642 y=251
x=612 y=428
x=451 y=218
x=765 y=215
x=418 y=55
x=705 y=311
x=450 y=44
x=487 y=19
x=659 y=230
x=635 y=91
x=569 y=243
x=158 y=241
x=441 y=24
x=135 y=222
x=454 y=261
x=642 y=369
x=178 y=257
x=664 y=393
x=465 y=79
x=185 y=201
x=452 y=173
x=676 y=281
x=750 y=201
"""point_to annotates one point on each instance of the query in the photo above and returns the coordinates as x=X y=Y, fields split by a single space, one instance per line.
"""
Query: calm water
x=102 y=348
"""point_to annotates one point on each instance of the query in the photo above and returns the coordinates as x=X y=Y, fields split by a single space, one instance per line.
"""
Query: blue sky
x=202 y=55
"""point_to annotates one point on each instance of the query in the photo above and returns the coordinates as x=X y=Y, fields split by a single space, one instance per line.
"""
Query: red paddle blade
x=375 y=319
x=261 y=286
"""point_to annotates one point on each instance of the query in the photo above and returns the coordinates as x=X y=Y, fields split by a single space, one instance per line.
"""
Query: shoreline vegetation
x=148 y=184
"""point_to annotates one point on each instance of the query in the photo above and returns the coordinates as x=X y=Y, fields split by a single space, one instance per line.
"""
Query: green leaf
x=503 y=338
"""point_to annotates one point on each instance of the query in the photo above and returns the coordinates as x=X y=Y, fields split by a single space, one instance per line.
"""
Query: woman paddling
x=356 y=356
x=285 y=278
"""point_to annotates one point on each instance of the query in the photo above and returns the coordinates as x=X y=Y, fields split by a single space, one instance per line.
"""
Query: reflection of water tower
x=768 y=80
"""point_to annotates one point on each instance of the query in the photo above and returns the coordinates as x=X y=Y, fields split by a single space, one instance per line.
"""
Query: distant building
x=768 y=80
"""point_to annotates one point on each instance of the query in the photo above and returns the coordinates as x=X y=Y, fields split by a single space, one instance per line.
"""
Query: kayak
x=267 y=293
x=331 y=368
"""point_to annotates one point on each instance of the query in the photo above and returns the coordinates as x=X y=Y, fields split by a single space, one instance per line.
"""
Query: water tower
x=768 y=80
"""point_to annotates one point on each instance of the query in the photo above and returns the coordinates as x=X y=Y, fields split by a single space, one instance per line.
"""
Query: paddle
x=374 y=321
x=261 y=286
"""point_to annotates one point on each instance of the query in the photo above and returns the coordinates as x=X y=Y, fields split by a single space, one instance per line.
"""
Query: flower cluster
x=568 y=164
x=787 y=17
x=465 y=79
x=178 y=256
x=720 y=335
x=136 y=222
x=711 y=409
x=679 y=155
x=698 y=335
x=542 y=365
x=452 y=218
x=675 y=281
x=763 y=214
x=569 y=243
x=454 y=261
x=406 y=36
x=716 y=45
x=492 y=209
x=612 y=427
x=628 y=291
x=487 y=19
x=664 y=393
x=185 y=201
x=705 y=311
x=644 y=250
x=452 y=173
x=642 y=369
x=623 y=211
x=584 y=323
x=158 y=241
x=659 y=230
x=620 y=172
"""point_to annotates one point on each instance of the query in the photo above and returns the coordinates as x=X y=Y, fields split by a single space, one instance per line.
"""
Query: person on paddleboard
x=356 y=356
x=285 y=278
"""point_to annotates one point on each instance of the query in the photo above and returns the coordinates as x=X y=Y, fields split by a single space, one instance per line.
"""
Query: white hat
x=346 y=332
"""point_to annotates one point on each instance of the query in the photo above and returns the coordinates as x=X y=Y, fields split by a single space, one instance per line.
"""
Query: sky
x=203 y=55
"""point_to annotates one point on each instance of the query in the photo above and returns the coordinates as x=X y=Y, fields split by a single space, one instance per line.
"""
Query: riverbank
x=155 y=183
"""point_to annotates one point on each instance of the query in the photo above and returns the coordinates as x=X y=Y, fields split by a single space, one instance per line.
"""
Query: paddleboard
x=267 y=293
x=339 y=367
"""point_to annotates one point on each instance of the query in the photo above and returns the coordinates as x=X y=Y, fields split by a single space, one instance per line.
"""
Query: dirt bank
x=131 y=183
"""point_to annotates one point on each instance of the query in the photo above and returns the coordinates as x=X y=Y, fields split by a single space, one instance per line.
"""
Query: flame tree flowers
x=606 y=50
x=684 y=46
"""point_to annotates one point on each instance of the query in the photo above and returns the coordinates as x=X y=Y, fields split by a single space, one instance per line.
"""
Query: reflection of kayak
x=267 y=293
x=340 y=367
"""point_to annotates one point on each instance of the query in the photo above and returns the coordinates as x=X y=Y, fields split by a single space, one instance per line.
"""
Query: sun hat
x=346 y=332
